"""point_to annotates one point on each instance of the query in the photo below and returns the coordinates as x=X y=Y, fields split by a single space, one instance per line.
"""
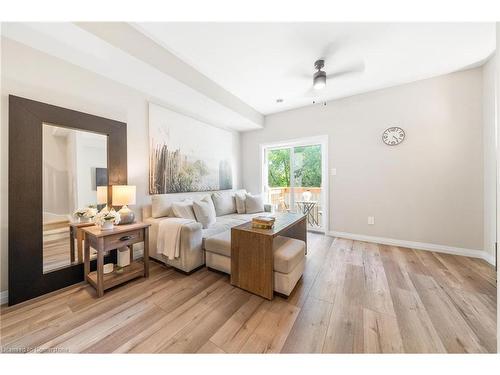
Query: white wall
x=490 y=165
x=90 y=153
x=55 y=172
x=428 y=189
x=34 y=75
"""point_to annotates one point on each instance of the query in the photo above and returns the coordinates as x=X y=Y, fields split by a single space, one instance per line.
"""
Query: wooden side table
x=75 y=233
x=252 y=260
x=105 y=240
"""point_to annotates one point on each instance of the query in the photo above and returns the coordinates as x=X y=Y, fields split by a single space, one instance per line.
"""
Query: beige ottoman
x=289 y=263
x=289 y=259
x=218 y=252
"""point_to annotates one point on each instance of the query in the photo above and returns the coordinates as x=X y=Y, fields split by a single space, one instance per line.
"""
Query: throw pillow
x=240 y=203
x=184 y=209
x=160 y=206
x=204 y=211
x=224 y=203
x=254 y=203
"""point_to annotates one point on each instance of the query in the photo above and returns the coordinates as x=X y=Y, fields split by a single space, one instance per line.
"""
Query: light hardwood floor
x=355 y=297
x=56 y=250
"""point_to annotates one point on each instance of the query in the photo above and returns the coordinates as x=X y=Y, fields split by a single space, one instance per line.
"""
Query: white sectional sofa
x=192 y=235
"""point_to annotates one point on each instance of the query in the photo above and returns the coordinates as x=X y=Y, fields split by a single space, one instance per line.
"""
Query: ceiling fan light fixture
x=319 y=80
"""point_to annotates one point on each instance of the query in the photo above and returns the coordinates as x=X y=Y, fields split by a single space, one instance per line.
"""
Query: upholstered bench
x=289 y=259
x=289 y=263
x=218 y=252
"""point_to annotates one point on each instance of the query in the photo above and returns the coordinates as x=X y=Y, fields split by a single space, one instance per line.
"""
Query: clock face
x=393 y=136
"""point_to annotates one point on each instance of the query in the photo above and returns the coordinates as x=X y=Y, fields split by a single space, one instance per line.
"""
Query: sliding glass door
x=293 y=180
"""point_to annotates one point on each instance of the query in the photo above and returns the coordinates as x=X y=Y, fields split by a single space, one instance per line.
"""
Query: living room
x=249 y=187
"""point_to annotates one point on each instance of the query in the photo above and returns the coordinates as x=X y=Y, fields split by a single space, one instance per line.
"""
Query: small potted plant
x=107 y=218
x=85 y=214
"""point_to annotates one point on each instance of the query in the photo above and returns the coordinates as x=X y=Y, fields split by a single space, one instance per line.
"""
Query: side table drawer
x=118 y=240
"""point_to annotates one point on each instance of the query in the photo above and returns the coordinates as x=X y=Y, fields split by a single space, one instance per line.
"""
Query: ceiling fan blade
x=358 y=67
x=330 y=50
x=312 y=93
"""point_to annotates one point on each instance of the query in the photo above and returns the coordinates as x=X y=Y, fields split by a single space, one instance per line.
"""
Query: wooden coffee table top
x=284 y=220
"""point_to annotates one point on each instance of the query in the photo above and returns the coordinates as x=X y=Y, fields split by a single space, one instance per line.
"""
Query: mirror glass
x=75 y=183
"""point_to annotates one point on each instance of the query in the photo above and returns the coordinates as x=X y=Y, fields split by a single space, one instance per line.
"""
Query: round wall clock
x=393 y=136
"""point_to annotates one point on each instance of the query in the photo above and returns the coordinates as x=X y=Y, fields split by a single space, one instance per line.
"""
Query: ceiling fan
x=321 y=81
x=320 y=78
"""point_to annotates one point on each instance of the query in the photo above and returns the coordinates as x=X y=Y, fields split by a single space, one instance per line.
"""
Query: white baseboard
x=417 y=245
x=4 y=297
x=490 y=258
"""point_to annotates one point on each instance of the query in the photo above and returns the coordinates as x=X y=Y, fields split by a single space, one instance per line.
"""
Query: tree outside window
x=307 y=165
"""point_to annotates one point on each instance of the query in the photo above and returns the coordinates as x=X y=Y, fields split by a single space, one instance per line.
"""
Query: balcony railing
x=299 y=199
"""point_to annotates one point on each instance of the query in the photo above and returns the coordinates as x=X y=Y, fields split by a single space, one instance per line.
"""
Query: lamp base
x=127 y=216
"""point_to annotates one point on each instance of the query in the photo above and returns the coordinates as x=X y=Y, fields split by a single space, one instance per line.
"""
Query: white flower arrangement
x=107 y=216
x=85 y=212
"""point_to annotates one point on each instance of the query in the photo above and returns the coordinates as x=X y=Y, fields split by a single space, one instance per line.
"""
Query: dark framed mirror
x=74 y=178
x=59 y=161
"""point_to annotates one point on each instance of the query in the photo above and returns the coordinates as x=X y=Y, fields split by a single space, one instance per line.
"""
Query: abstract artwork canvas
x=186 y=154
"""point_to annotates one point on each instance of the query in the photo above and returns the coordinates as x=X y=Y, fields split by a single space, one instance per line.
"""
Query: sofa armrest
x=191 y=251
x=191 y=238
x=191 y=227
x=268 y=207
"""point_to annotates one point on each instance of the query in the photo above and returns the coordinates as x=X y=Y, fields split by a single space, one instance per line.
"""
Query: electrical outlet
x=333 y=171
x=371 y=220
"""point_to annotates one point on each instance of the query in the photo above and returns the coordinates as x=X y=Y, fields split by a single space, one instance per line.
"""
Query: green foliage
x=279 y=168
x=308 y=172
x=307 y=167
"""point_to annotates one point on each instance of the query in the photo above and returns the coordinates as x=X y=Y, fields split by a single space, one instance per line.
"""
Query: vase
x=107 y=225
x=83 y=220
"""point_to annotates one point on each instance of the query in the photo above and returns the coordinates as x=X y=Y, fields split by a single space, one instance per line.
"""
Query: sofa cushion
x=204 y=211
x=160 y=207
x=288 y=252
x=224 y=202
x=161 y=204
x=240 y=202
x=184 y=209
x=231 y=220
x=243 y=218
x=215 y=229
x=220 y=243
x=254 y=203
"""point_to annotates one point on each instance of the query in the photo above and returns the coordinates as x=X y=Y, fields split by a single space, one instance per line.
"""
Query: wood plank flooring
x=355 y=297
x=56 y=250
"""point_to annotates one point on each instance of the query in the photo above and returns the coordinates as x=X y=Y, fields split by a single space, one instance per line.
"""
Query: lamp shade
x=123 y=195
x=102 y=195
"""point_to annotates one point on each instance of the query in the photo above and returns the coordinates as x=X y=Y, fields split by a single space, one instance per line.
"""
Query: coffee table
x=252 y=260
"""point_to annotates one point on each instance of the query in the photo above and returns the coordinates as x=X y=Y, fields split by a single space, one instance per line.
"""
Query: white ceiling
x=260 y=62
x=119 y=52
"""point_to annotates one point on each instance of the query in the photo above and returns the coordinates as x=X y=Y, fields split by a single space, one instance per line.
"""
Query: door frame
x=325 y=177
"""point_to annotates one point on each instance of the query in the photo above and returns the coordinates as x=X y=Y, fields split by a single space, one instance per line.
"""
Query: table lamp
x=102 y=196
x=124 y=195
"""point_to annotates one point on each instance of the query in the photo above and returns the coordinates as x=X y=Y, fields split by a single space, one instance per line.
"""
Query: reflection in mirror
x=75 y=183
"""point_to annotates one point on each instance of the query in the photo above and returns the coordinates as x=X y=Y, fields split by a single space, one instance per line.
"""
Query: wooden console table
x=105 y=240
x=252 y=260
x=75 y=233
